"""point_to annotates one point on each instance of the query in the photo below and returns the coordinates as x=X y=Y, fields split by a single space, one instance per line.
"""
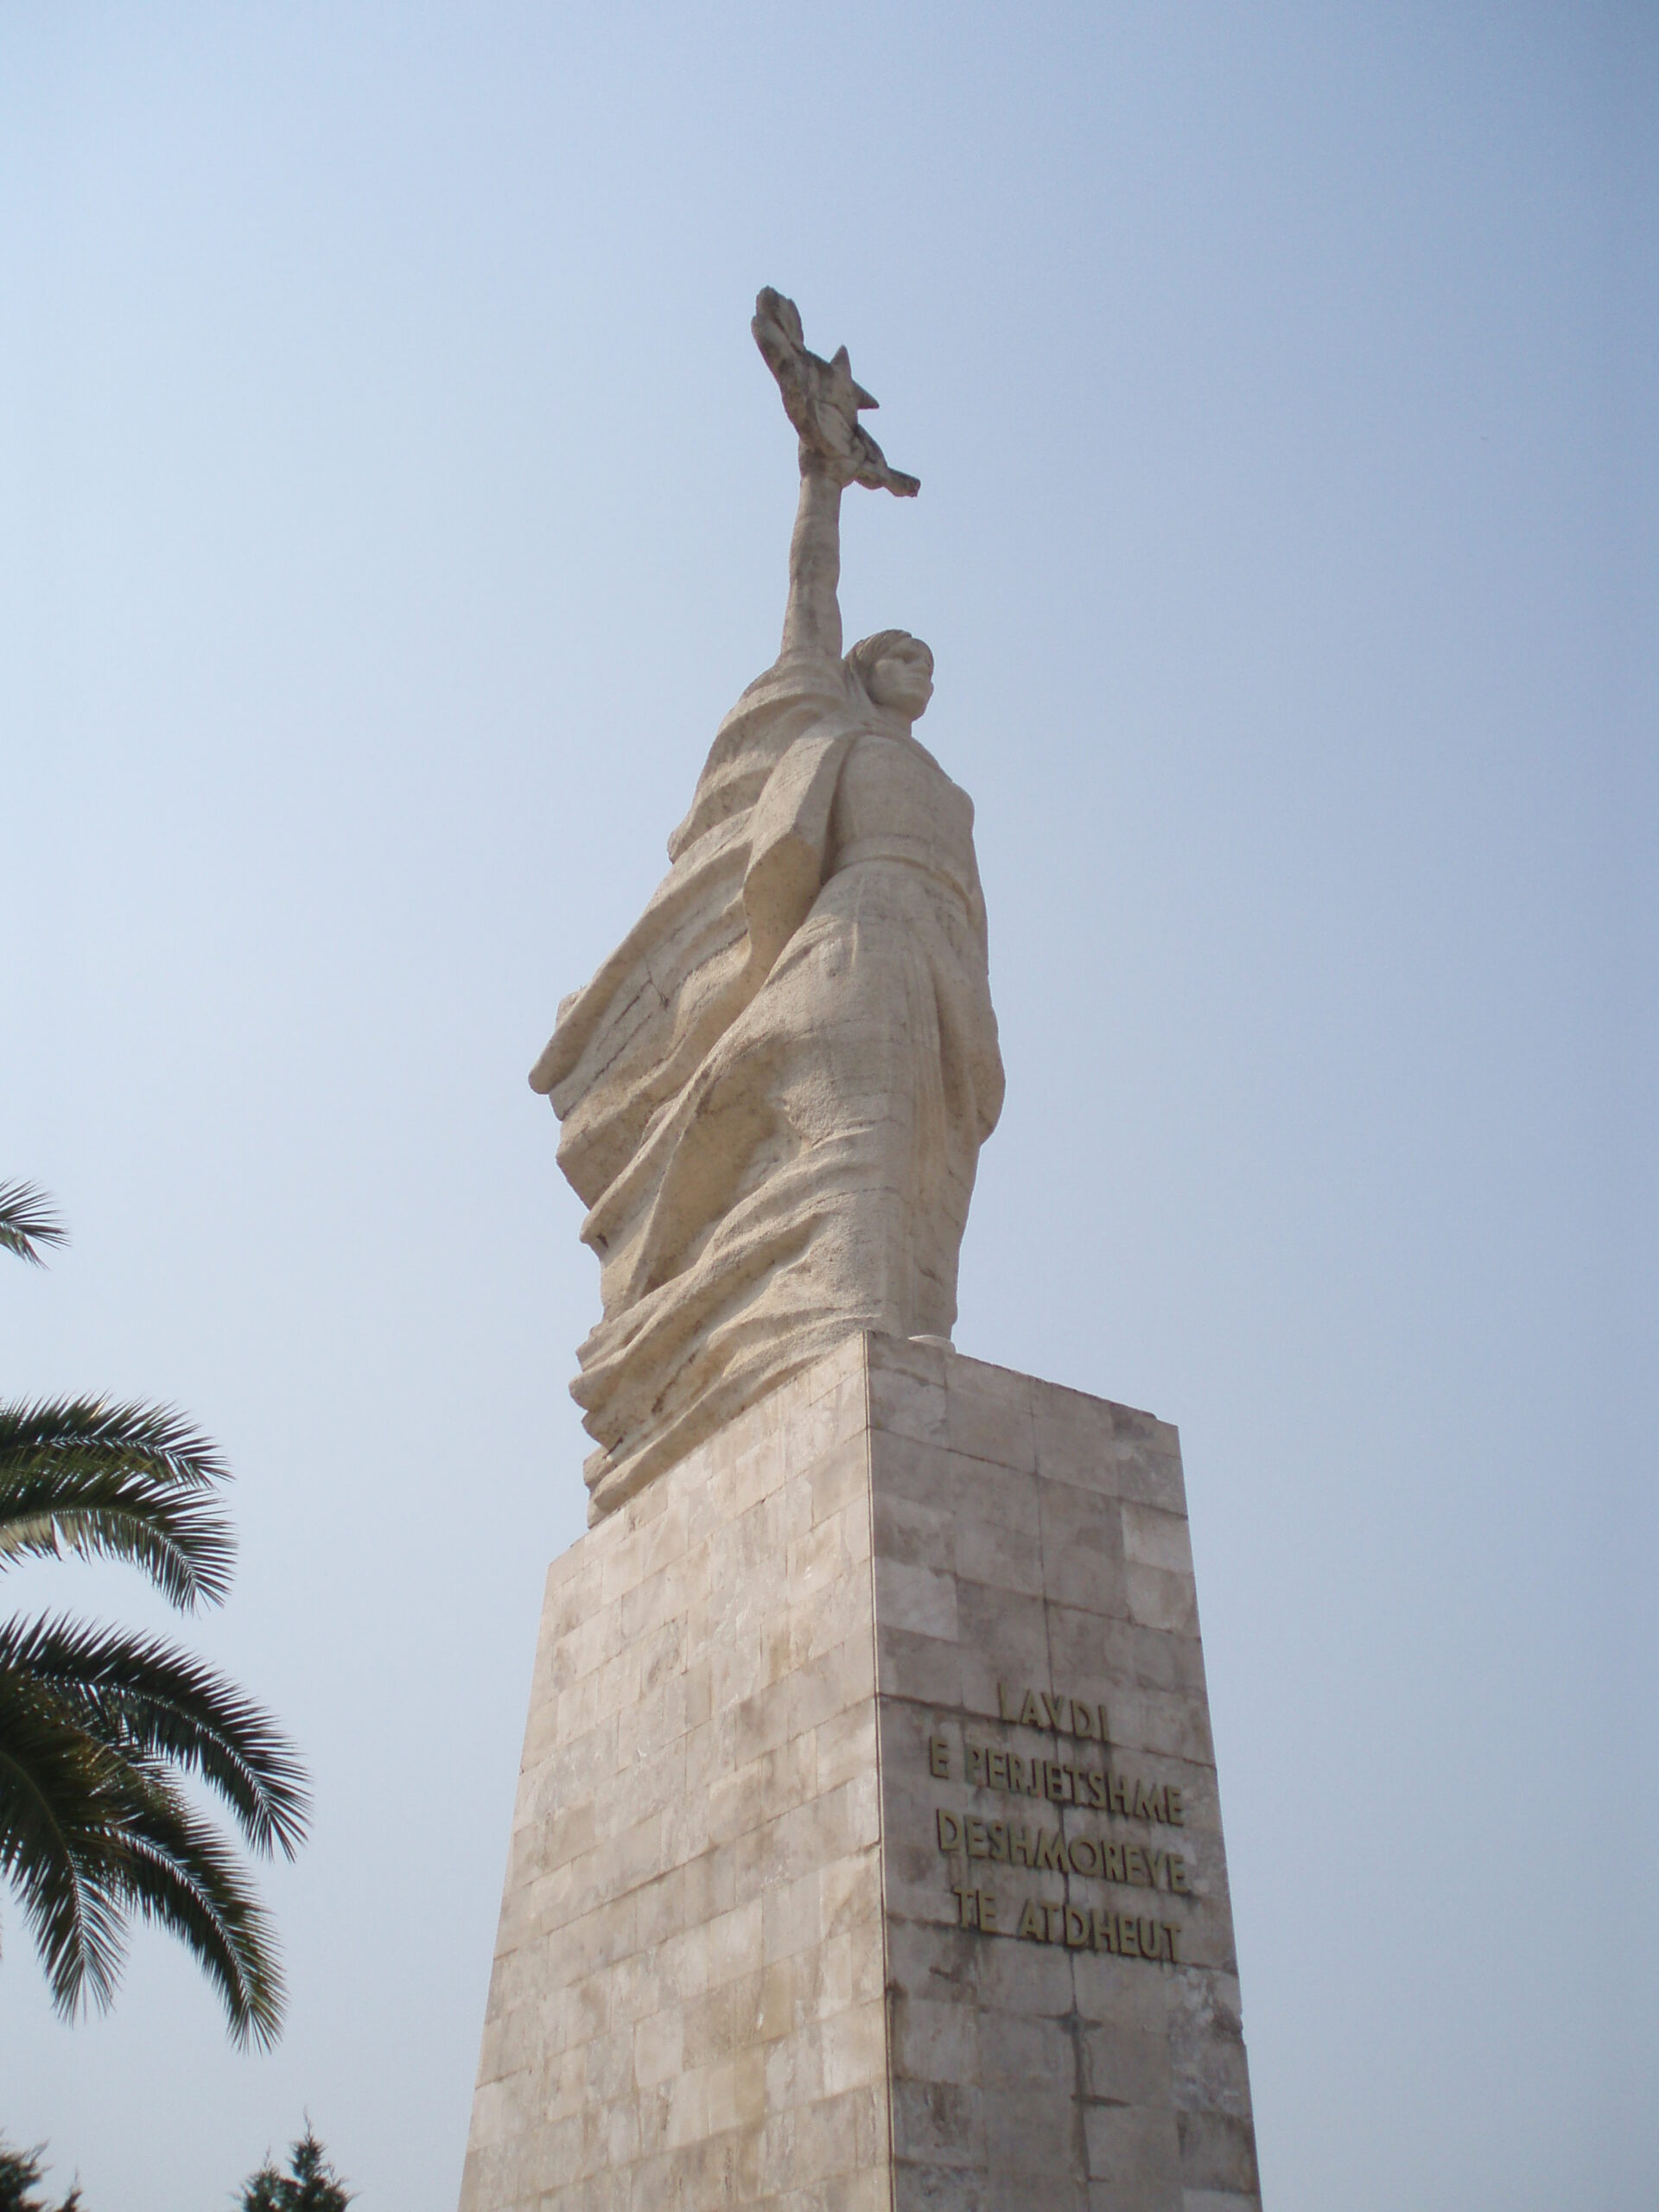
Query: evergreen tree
x=310 y=2185
x=20 y=2176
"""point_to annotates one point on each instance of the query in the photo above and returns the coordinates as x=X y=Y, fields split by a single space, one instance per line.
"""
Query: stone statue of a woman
x=774 y=1091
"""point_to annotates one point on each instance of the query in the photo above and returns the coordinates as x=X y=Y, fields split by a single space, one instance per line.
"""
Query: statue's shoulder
x=801 y=695
x=818 y=677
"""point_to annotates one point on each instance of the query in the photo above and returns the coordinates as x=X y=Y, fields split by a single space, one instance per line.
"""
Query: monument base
x=868 y=1854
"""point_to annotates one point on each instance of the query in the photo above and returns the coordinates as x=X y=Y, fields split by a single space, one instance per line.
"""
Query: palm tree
x=100 y=1729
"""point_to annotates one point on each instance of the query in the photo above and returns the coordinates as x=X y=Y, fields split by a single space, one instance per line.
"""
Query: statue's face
x=903 y=678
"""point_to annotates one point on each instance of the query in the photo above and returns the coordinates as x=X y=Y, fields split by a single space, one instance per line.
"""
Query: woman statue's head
x=896 y=670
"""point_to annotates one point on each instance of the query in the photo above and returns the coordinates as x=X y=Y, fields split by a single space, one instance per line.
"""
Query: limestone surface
x=774 y=1091
x=868 y=1851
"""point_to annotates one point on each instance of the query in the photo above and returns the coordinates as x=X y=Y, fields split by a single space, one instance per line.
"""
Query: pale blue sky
x=391 y=501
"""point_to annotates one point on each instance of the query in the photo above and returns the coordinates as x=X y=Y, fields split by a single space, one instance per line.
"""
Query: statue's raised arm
x=822 y=402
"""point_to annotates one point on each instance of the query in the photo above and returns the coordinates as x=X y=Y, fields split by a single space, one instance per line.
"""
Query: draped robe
x=773 y=1093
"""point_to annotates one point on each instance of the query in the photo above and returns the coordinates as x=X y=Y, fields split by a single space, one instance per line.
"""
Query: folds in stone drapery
x=763 y=1094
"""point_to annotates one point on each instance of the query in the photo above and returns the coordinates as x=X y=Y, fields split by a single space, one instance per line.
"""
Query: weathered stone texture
x=731 y=1968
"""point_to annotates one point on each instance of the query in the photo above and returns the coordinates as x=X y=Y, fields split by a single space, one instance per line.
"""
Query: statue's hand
x=836 y=468
x=822 y=402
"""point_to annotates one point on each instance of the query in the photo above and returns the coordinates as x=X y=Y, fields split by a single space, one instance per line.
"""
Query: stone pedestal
x=867 y=1854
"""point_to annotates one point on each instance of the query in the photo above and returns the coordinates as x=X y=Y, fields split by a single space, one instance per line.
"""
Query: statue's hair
x=868 y=650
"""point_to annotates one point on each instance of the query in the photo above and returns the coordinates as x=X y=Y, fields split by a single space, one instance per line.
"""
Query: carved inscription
x=1090 y=1852
x=1010 y=1843
x=1125 y=1935
x=1061 y=1716
x=1063 y=1783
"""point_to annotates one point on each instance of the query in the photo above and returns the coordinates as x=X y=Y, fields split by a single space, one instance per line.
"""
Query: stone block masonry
x=867 y=1854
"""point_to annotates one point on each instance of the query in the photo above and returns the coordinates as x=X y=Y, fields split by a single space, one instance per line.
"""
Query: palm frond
x=97 y=1728
x=115 y=1481
x=93 y=1831
x=150 y=1701
x=27 y=1222
x=60 y=1792
x=173 y=1868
